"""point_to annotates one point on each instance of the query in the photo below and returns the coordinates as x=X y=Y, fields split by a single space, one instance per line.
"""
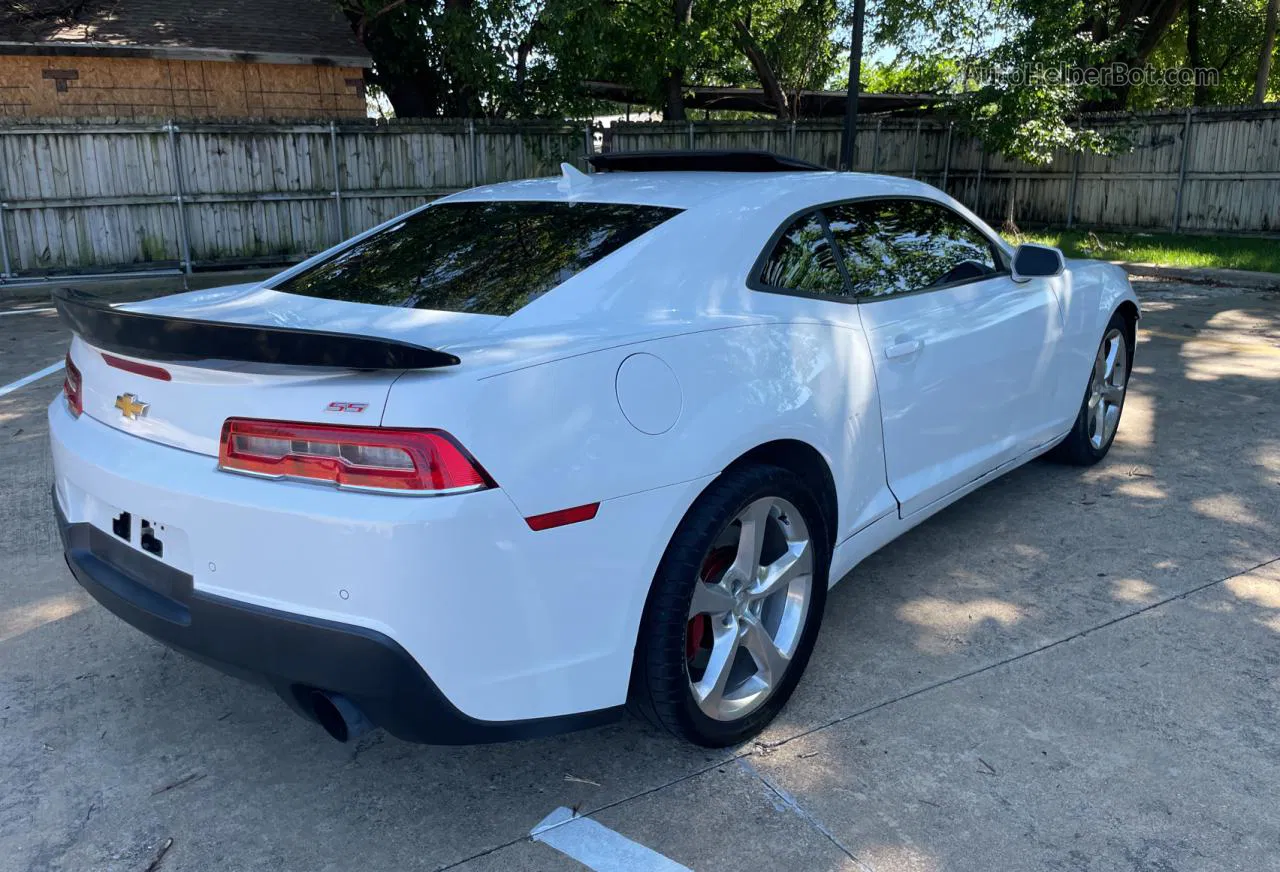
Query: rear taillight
x=72 y=388
x=422 y=462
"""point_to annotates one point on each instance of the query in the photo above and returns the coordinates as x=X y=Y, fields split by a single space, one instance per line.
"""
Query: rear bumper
x=291 y=653
x=510 y=625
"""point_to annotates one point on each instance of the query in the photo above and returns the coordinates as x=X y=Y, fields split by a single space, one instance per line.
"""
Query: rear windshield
x=488 y=257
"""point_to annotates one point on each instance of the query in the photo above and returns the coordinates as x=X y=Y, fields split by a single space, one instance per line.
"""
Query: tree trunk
x=1268 y=51
x=764 y=72
x=673 y=108
x=1151 y=20
x=462 y=100
x=682 y=14
x=523 y=50
x=1010 y=226
x=1200 y=96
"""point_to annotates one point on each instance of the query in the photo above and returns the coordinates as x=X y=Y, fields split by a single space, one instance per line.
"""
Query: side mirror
x=1032 y=261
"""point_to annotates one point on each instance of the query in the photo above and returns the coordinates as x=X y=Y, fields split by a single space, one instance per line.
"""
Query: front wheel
x=1099 y=418
x=734 y=609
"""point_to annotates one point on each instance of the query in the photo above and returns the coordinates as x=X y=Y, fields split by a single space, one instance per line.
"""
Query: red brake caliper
x=697 y=636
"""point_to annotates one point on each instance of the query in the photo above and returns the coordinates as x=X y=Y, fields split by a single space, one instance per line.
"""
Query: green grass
x=1165 y=249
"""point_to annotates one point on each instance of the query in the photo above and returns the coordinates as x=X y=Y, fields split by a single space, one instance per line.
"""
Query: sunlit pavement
x=1067 y=670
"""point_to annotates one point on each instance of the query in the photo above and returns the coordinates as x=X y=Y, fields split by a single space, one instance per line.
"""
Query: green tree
x=788 y=47
x=528 y=58
x=430 y=58
x=1228 y=38
x=1029 y=67
x=659 y=48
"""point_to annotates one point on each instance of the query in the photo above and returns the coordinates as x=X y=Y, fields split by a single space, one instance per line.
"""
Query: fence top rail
x=51 y=126
x=1179 y=113
x=157 y=124
x=941 y=122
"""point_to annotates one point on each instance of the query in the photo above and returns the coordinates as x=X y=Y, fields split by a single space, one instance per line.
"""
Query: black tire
x=1078 y=448
x=660 y=692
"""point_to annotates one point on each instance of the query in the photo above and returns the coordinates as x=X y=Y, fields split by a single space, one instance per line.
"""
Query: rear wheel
x=734 y=610
x=1099 y=418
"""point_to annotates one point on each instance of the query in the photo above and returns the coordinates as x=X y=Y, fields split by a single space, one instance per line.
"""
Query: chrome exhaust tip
x=339 y=716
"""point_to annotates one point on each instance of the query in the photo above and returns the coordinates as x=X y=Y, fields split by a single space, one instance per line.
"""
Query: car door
x=963 y=355
x=802 y=269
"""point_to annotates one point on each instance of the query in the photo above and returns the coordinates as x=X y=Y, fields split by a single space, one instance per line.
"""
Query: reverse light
x=410 y=462
x=72 y=387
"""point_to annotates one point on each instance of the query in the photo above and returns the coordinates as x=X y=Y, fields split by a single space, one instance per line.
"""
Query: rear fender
x=555 y=436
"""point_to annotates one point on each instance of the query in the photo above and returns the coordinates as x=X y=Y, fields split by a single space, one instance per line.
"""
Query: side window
x=802 y=259
x=899 y=246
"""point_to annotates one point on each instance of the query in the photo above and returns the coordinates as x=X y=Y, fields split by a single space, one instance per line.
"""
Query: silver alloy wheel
x=1107 y=387
x=756 y=608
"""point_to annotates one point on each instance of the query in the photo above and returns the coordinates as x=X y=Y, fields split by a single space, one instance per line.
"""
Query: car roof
x=696 y=265
x=691 y=190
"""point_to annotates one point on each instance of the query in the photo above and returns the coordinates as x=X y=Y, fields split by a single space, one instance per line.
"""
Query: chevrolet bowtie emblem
x=131 y=407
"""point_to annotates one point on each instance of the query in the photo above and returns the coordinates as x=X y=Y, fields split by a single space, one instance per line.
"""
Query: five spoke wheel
x=1106 y=388
x=748 y=609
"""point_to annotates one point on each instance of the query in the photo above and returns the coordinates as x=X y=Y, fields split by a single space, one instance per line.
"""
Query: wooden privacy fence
x=91 y=198
x=80 y=198
x=1195 y=170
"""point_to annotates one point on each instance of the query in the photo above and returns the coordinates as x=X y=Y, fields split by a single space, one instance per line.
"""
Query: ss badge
x=347 y=407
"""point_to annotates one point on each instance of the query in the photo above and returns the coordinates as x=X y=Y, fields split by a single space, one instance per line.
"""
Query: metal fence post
x=337 y=181
x=588 y=145
x=690 y=136
x=946 y=161
x=791 y=139
x=875 y=145
x=915 y=150
x=179 y=198
x=473 y=163
x=1182 y=171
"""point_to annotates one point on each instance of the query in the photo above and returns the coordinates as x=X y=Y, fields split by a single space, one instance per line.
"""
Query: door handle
x=903 y=349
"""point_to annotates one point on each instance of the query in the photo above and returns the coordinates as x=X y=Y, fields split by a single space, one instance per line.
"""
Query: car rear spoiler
x=165 y=337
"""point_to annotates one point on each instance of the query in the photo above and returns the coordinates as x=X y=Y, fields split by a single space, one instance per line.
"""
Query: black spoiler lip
x=169 y=338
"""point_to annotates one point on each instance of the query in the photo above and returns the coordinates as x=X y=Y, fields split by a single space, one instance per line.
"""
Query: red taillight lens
x=368 y=458
x=72 y=388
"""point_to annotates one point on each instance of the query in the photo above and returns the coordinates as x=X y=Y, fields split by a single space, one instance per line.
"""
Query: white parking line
x=597 y=847
x=27 y=311
x=35 y=376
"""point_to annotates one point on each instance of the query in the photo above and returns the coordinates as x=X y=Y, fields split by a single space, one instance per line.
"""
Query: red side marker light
x=561 y=517
x=137 y=368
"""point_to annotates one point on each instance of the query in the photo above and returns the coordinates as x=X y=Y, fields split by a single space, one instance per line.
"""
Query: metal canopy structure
x=810 y=104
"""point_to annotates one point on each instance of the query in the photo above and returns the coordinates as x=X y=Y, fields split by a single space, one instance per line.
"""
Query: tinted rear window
x=802 y=260
x=490 y=258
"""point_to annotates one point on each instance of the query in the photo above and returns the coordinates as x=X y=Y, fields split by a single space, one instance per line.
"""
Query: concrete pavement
x=1066 y=670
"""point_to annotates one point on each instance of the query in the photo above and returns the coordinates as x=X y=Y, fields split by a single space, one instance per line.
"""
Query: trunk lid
x=188 y=409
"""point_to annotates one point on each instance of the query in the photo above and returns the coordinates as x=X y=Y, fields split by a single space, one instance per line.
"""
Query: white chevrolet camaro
x=539 y=450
